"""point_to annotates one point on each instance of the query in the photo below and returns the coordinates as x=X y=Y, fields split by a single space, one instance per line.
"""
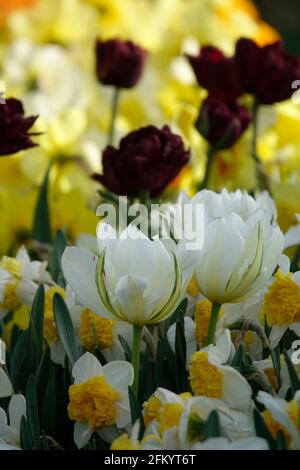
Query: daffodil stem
x=136 y=350
x=215 y=309
x=261 y=176
x=209 y=160
x=114 y=112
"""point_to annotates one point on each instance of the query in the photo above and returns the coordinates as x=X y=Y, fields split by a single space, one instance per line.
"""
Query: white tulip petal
x=122 y=411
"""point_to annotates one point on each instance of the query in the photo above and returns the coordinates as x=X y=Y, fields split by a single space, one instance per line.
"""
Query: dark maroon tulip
x=14 y=127
x=222 y=122
x=119 y=63
x=148 y=160
x=266 y=72
x=215 y=72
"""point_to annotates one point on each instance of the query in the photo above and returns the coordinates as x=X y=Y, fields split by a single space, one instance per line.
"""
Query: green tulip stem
x=261 y=176
x=114 y=112
x=209 y=160
x=215 y=309
x=136 y=350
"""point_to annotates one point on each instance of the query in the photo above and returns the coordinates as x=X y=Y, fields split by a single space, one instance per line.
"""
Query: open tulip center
x=93 y=402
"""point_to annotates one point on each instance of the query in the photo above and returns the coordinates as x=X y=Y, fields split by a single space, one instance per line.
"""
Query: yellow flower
x=95 y=329
x=93 y=402
x=206 y=379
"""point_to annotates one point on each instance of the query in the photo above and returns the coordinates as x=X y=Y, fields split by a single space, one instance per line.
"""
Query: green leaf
x=239 y=357
x=19 y=367
x=49 y=404
x=295 y=261
x=180 y=358
x=281 y=442
x=275 y=355
x=32 y=412
x=36 y=325
x=126 y=347
x=177 y=315
x=25 y=435
x=65 y=328
x=212 y=426
x=60 y=243
x=136 y=411
x=41 y=224
x=295 y=382
x=262 y=430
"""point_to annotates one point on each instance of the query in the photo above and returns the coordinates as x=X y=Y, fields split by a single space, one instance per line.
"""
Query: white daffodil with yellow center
x=281 y=305
x=19 y=279
x=284 y=416
x=99 y=398
x=210 y=378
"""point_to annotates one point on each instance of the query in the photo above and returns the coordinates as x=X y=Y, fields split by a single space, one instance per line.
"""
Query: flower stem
x=261 y=176
x=137 y=336
x=215 y=309
x=209 y=160
x=114 y=112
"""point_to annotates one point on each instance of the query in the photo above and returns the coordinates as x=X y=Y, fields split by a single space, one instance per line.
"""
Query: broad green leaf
x=32 y=412
x=212 y=426
x=25 y=435
x=65 y=328
x=41 y=224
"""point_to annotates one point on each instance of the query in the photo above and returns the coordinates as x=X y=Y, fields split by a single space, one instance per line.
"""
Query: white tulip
x=242 y=246
x=135 y=279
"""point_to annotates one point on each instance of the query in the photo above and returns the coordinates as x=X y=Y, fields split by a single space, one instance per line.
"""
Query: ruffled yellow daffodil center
x=93 y=402
x=95 y=331
x=10 y=298
x=124 y=442
x=282 y=301
x=206 y=379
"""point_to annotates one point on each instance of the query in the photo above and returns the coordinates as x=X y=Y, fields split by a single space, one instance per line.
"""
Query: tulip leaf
x=177 y=315
x=295 y=382
x=281 y=442
x=36 y=325
x=25 y=435
x=65 y=328
x=32 y=412
x=60 y=243
x=295 y=261
x=262 y=430
x=126 y=347
x=180 y=359
x=20 y=367
x=41 y=225
x=49 y=404
x=212 y=426
x=136 y=412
